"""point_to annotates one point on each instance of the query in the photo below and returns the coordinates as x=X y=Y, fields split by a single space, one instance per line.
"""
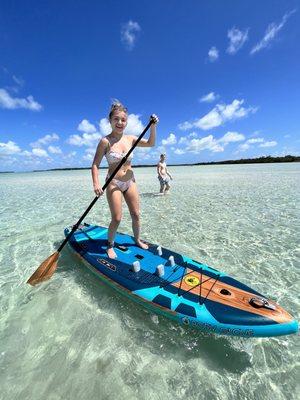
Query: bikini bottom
x=122 y=185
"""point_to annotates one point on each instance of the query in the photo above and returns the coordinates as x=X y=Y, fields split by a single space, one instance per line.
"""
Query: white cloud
x=88 y=157
x=220 y=114
x=210 y=120
x=86 y=139
x=27 y=153
x=54 y=150
x=68 y=158
x=161 y=149
x=12 y=103
x=134 y=125
x=9 y=148
x=184 y=126
x=90 y=136
x=171 y=139
x=143 y=153
x=206 y=143
x=255 y=140
x=179 y=151
x=209 y=98
x=45 y=140
x=231 y=137
x=86 y=127
x=128 y=34
x=184 y=139
x=252 y=141
x=213 y=54
x=242 y=147
x=271 y=32
x=210 y=143
x=8 y=162
x=268 y=144
x=237 y=39
x=89 y=154
x=105 y=127
x=39 y=152
x=70 y=155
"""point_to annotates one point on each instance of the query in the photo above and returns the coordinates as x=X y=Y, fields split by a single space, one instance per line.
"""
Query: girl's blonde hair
x=116 y=106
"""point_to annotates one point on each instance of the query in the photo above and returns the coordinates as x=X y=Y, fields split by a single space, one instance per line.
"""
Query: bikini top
x=113 y=157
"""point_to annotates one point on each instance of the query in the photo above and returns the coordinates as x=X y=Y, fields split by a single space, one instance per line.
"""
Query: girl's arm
x=101 y=148
x=150 y=142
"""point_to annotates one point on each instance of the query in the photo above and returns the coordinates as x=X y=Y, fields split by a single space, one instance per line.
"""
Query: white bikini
x=114 y=157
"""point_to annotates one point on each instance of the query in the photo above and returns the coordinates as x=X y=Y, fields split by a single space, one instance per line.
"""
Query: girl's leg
x=131 y=197
x=114 y=198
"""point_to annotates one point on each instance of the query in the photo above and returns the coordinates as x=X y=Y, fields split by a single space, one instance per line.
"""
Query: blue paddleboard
x=180 y=288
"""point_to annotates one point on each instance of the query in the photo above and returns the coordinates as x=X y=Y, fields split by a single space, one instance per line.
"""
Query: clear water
x=74 y=338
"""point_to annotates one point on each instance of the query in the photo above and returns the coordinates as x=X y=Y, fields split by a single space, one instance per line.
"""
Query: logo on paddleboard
x=107 y=264
x=191 y=280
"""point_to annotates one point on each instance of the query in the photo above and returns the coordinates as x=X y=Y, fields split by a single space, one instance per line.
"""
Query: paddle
x=48 y=266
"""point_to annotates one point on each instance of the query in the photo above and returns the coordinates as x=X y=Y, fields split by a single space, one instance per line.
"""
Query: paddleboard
x=180 y=288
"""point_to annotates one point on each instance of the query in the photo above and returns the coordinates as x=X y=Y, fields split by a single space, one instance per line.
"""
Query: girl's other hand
x=98 y=191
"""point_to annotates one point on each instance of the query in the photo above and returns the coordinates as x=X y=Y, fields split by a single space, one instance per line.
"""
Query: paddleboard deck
x=184 y=290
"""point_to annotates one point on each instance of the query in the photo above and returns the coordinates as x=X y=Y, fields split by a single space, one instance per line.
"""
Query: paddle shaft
x=124 y=159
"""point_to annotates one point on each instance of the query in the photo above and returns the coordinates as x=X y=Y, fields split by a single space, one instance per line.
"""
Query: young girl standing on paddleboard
x=114 y=147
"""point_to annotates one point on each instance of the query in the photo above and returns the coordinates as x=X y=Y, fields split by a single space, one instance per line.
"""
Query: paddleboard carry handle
x=259 y=302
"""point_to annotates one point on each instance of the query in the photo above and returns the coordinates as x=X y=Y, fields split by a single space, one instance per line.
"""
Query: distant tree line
x=267 y=159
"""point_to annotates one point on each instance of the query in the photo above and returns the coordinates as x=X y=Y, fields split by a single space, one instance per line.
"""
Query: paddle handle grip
x=124 y=159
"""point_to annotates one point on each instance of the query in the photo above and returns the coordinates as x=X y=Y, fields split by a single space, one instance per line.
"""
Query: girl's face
x=118 y=121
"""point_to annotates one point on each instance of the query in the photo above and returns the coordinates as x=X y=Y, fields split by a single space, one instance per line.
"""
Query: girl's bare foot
x=110 y=250
x=142 y=245
x=111 y=253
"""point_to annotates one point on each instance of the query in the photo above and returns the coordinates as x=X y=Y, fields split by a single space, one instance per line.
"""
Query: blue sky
x=222 y=76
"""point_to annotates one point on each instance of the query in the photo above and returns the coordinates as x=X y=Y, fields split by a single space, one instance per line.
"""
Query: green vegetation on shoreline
x=267 y=159
x=259 y=160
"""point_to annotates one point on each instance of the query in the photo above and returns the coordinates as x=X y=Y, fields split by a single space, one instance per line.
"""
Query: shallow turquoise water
x=74 y=338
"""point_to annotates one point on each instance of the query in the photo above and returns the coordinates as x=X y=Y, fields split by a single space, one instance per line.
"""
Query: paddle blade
x=45 y=270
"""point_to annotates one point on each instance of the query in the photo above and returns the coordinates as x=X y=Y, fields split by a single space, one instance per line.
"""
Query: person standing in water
x=114 y=147
x=163 y=175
